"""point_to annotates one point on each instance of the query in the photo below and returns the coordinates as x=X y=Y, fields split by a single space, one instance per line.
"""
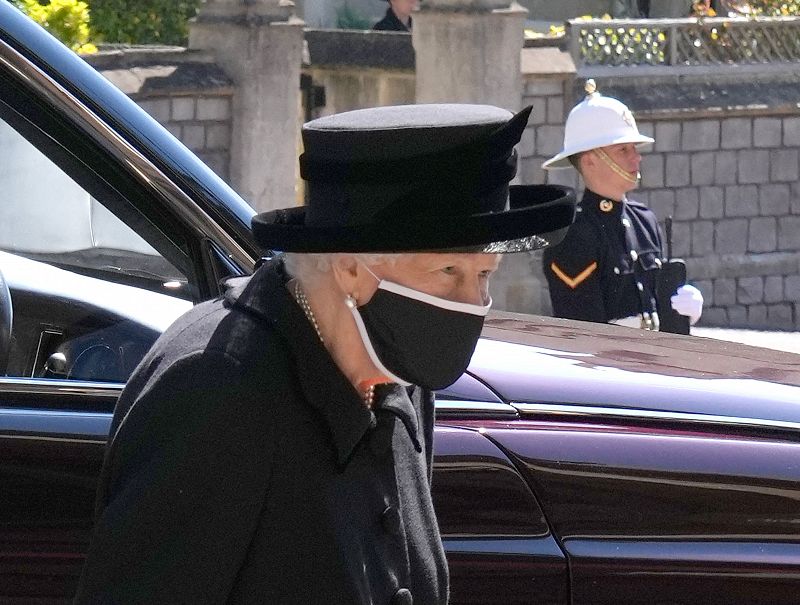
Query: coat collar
x=324 y=386
x=390 y=21
x=396 y=400
x=602 y=206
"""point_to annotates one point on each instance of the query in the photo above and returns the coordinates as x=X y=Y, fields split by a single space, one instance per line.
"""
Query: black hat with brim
x=417 y=178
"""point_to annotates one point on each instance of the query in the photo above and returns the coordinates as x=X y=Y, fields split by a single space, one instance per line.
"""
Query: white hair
x=308 y=268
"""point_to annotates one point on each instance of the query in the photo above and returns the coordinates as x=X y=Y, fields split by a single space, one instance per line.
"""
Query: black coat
x=244 y=468
x=390 y=23
x=607 y=265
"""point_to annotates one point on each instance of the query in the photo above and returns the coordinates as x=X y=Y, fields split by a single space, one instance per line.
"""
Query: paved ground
x=783 y=341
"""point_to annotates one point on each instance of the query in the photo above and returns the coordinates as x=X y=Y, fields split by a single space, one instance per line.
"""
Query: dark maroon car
x=575 y=463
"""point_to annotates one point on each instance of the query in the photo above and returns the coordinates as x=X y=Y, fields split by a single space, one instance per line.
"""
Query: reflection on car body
x=575 y=463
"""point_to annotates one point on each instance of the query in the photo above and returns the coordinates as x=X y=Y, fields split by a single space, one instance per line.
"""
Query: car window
x=89 y=294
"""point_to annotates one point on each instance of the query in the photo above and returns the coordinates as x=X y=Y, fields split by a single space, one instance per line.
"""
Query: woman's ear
x=346 y=272
x=587 y=160
x=592 y=168
x=353 y=277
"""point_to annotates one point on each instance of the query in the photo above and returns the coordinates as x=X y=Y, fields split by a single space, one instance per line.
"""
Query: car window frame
x=135 y=177
x=209 y=250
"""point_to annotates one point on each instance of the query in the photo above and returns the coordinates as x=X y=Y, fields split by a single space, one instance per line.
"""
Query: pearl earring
x=350 y=301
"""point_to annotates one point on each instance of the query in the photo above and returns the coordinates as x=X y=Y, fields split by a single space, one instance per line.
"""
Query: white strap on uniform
x=637 y=321
x=634 y=321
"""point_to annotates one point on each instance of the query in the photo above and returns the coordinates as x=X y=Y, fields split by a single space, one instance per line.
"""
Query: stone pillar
x=468 y=51
x=259 y=44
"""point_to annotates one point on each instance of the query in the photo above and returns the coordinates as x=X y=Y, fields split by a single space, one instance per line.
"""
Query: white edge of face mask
x=442 y=303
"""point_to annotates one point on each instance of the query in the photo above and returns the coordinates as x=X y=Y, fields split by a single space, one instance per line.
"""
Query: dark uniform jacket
x=606 y=267
x=244 y=468
x=390 y=23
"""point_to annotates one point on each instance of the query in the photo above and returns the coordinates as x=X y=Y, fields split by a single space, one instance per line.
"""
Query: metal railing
x=684 y=42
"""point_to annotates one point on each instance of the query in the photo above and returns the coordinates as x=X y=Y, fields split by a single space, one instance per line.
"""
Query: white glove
x=688 y=301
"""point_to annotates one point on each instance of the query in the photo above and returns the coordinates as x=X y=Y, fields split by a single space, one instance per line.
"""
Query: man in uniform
x=608 y=266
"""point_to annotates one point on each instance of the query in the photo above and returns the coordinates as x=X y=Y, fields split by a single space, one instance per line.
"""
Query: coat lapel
x=323 y=385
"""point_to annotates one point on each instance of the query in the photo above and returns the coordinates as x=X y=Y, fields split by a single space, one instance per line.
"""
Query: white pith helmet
x=595 y=122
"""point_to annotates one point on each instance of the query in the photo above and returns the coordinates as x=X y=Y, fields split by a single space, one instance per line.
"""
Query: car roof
x=526 y=358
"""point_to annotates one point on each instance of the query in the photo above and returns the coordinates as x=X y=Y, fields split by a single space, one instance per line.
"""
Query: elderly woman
x=275 y=445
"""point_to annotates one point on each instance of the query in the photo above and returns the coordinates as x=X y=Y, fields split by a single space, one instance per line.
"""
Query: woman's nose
x=475 y=292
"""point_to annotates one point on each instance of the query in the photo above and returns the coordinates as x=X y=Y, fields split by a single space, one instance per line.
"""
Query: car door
x=666 y=466
x=100 y=252
x=499 y=546
x=667 y=510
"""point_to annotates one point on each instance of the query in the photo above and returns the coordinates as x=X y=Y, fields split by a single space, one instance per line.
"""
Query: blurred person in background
x=398 y=16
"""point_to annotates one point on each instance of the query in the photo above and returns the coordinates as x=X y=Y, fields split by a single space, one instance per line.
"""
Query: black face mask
x=416 y=338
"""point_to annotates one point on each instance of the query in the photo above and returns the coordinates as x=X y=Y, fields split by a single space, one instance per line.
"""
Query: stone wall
x=730 y=182
x=356 y=69
x=185 y=91
x=201 y=121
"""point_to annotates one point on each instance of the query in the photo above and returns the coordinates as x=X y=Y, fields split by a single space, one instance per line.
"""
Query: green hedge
x=142 y=21
x=775 y=8
x=67 y=20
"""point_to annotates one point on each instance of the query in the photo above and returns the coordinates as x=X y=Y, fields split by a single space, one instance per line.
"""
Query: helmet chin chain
x=628 y=176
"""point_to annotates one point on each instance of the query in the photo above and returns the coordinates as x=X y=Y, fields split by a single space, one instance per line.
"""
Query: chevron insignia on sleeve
x=573 y=282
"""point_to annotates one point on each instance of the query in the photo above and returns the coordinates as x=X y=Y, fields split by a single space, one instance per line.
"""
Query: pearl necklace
x=368 y=395
x=300 y=296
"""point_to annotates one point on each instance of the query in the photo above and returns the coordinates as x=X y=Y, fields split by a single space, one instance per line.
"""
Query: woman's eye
x=449 y=270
